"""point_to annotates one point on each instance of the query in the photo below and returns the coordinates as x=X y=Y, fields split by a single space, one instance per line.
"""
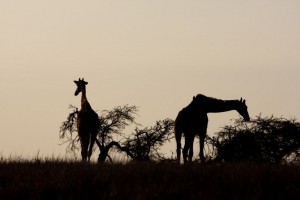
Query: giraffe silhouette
x=193 y=120
x=87 y=122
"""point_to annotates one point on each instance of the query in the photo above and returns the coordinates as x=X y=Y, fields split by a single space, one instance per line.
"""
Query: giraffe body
x=193 y=120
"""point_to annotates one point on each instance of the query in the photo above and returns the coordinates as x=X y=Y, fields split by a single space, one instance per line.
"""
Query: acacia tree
x=143 y=144
x=112 y=124
x=263 y=139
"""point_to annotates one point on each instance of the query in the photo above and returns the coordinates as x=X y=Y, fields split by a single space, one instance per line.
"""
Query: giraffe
x=87 y=122
x=193 y=120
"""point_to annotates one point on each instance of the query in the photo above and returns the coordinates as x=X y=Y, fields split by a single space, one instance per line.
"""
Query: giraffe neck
x=84 y=102
x=83 y=95
x=223 y=106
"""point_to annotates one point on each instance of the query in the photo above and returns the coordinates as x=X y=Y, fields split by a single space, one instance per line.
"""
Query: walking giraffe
x=193 y=120
x=87 y=122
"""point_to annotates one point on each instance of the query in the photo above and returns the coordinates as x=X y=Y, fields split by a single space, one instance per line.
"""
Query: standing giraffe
x=87 y=122
x=193 y=120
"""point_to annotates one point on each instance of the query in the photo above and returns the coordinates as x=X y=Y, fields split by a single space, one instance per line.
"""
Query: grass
x=58 y=179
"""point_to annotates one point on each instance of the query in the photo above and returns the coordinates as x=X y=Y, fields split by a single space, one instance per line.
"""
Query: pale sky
x=153 y=54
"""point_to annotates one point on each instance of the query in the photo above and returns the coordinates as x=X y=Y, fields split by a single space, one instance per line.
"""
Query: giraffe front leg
x=84 y=140
x=92 y=142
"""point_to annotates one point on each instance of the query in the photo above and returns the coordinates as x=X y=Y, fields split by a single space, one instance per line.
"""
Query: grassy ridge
x=67 y=180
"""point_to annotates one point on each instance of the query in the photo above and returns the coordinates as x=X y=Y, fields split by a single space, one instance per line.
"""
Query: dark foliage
x=143 y=144
x=112 y=124
x=263 y=139
x=67 y=130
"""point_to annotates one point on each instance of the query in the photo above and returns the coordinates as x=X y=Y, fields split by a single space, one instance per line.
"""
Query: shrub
x=262 y=139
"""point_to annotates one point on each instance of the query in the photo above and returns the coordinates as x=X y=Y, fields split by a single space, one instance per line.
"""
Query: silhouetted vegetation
x=112 y=124
x=68 y=129
x=141 y=145
x=145 y=143
x=263 y=139
x=266 y=139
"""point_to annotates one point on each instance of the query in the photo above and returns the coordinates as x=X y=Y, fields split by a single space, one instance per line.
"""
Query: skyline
x=155 y=55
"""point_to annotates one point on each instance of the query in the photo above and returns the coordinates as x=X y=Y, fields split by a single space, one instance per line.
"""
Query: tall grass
x=58 y=179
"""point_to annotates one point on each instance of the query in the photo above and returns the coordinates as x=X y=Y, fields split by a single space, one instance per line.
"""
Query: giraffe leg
x=93 y=139
x=202 y=135
x=191 y=151
x=184 y=154
x=187 y=147
x=84 y=139
x=178 y=143
x=201 y=154
x=185 y=150
x=202 y=139
x=178 y=152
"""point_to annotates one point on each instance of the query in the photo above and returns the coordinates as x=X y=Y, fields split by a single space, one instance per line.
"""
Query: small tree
x=146 y=143
x=262 y=139
x=112 y=123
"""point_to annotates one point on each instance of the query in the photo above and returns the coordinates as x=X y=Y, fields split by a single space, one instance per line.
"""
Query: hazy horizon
x=153 y=54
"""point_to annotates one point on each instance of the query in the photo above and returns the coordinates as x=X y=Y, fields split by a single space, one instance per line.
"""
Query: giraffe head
x=242 y=109
x=80 y=86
